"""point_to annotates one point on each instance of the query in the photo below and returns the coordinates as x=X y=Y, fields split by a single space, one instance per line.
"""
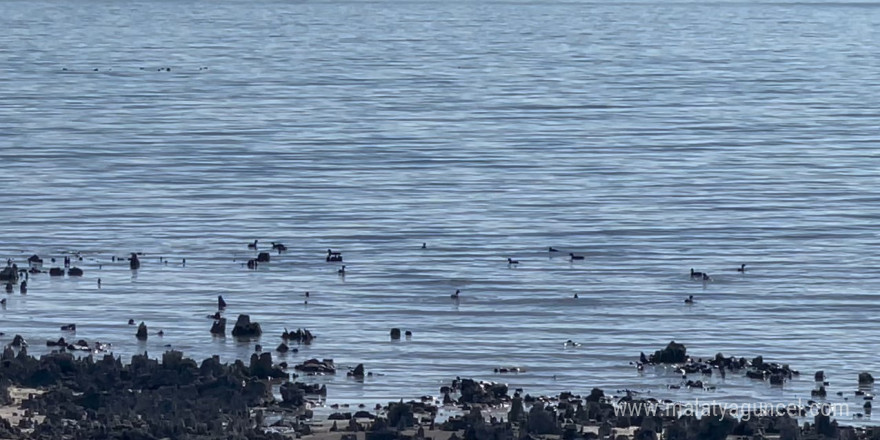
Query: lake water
x=649 y=137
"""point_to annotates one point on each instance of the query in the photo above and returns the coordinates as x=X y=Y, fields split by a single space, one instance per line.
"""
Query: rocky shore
x=62 y=396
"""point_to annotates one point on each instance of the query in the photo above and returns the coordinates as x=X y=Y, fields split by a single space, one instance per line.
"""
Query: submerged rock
x=219 y=327
x=141 y=332
x=325 y=366
x=357 y=372
x=244 y=328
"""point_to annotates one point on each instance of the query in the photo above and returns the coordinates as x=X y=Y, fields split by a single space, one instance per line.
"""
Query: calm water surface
x=649 y=137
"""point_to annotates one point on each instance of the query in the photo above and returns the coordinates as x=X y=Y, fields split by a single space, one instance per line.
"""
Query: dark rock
x=673 y=353
x=244 y=328
x=293 y=394
x=74 y=272
x=261 y=367
x=517 y=412
x=339 y=416
x=824 y=426
x=263 y=257
x=302 y=336
x=358 y=371
x=325 y=366
x=717 y=425
x=400 y=415
x=363 y=415
x=395 y=333
x=596 y=395
x=219 y=327
x=10 y=274
x=541 y=421
x=142 y=332
x=865 y=378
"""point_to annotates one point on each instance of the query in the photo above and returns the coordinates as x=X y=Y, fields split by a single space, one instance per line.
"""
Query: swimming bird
x=424 y=245
x=511 y=262
x=551 y=249
x=253 y=245
x=742 y=268
x=221 y=304
x=697 y=275
x=279 y=247
x=575 y=257
x=689 y=300
x=456 y=294
x=333 y=256
x=575 y=296
x=341 y=271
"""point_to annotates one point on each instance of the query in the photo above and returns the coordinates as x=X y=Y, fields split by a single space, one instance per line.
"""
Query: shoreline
x=61 y=395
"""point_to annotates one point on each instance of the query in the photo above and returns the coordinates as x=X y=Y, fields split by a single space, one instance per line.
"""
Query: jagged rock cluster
x=176 y=398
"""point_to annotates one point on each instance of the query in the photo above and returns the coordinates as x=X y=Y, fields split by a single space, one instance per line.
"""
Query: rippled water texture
x=650 y=138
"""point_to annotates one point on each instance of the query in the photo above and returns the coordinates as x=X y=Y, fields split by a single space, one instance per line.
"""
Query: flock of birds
x=335 y=256
x=332 y=256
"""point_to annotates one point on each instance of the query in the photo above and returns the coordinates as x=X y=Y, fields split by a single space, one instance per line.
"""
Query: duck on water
x=700 y=275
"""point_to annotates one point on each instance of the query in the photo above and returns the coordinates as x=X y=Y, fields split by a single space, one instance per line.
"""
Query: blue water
x=649 y=137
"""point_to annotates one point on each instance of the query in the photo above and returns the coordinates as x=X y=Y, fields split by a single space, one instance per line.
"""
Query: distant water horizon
x=650 y=139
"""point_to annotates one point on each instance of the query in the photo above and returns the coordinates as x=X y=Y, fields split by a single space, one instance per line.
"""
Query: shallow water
x=649 y=137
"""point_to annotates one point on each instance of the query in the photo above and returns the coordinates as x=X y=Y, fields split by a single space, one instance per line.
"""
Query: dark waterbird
x=551 y=249
x=575 y=257
x=689 y=300
x=699 y=275
x=511 y=262
x=253 y=245
x=742 y=268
